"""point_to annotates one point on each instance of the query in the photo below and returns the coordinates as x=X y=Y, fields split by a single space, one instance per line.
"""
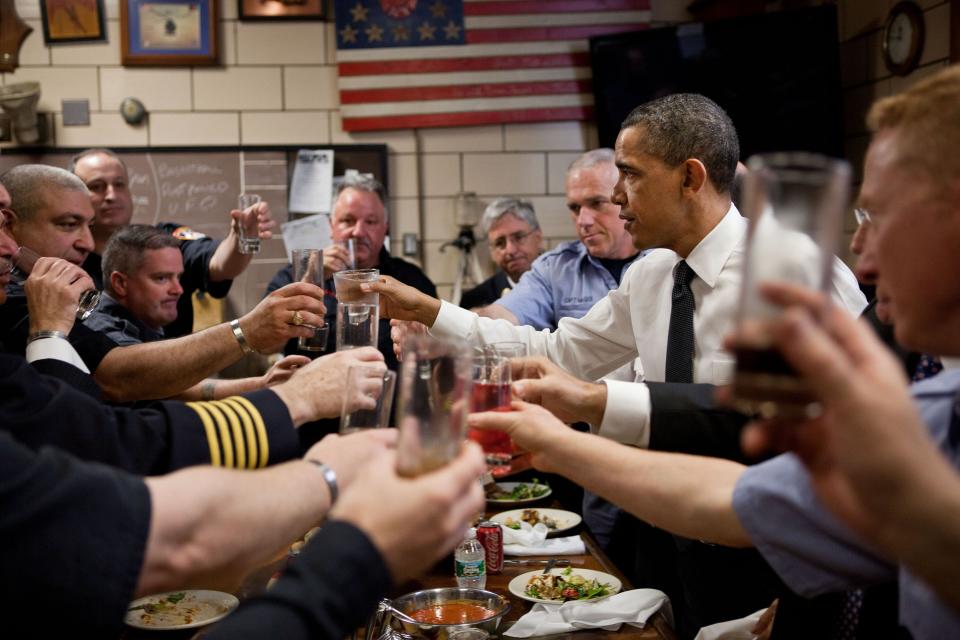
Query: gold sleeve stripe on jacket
x=210 y=432
x=230 y=437
x=259 y=427
x=242 y=435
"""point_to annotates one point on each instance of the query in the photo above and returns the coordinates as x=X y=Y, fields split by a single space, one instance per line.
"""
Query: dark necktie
x=679 y=364
x=927 y=367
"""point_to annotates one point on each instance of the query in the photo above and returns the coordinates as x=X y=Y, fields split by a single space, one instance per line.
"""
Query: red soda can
x=490 y=536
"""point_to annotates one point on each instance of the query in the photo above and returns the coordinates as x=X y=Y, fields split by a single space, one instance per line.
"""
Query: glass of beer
x=249 y=227
x=795 y=204
x=22 y=263
x=308 y=267
x=435 y=380
x=358 y=381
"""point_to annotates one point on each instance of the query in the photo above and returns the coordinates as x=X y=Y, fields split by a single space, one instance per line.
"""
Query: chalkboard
x=197 y=186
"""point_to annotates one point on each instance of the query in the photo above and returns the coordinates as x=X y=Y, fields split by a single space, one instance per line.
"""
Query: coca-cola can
x=490 y=536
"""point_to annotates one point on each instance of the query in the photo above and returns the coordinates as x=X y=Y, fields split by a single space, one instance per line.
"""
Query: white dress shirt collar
x=711 y=254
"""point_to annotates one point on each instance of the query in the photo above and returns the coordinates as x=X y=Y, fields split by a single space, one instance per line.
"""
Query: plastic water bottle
x=470 y=563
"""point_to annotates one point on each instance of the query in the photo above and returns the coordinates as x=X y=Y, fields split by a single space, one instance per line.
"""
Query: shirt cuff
x=626 y=418
x=55 y=349
x=453 y=322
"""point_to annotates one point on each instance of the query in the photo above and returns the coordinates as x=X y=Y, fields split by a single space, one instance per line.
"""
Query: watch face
x=899 y=39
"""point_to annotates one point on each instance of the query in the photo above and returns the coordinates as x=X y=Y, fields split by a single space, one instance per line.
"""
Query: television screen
x=776 y=74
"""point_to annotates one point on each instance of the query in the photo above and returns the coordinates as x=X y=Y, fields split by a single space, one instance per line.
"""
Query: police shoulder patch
x=186 y=233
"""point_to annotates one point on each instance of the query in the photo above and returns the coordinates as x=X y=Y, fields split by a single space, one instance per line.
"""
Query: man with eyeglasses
x=569 y=279
x=513 y=233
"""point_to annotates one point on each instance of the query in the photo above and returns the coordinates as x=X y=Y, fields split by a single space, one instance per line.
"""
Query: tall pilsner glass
x=795 y=204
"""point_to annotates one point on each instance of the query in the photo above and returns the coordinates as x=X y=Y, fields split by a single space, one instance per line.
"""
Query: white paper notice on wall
x=312 y=184
x=312 y=232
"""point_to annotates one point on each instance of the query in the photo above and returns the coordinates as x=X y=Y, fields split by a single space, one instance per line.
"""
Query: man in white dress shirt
x=677 y=156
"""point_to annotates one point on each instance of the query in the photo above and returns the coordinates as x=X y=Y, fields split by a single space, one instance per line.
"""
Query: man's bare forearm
x=165 y=368
x=216 y=389
x=196 y=514
x=227 y=262
x=688 y=495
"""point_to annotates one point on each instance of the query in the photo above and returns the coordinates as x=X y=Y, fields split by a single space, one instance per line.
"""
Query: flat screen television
x=776 y=74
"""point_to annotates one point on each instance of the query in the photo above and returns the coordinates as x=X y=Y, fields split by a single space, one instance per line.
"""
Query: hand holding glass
x=249 y=227
x=795 y=204
x=22 y=264
x=360 y=383
x=308 y=267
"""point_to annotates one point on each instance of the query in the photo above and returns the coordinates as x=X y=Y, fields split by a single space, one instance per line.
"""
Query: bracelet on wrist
x=39 y=335
x=241 y=339
x=330 y=477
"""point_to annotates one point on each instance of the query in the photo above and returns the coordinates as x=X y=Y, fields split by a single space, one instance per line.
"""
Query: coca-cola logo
x=398 y=8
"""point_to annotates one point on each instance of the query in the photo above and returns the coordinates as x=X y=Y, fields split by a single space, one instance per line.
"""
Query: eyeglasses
x=862 y=215
x=501 y=243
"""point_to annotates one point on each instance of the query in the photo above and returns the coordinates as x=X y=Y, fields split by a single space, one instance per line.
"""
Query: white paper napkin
x=739 y=629
x=532 y=541
x=631 y=607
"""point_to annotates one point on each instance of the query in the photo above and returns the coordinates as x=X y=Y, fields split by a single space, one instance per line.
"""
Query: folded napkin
x=632 y=607
x=532 y=541
x=739 y=629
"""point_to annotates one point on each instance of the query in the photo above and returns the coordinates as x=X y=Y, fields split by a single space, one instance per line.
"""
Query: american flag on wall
x=435 y=63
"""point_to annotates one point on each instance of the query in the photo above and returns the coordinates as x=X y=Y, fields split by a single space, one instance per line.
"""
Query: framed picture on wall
x=280 y=9
x=168 y=32
x=72 y=20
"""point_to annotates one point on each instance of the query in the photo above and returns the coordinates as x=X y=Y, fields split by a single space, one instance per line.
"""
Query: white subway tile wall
x=276 y=84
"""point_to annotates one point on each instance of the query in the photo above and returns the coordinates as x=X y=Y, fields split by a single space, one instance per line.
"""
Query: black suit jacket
x=487 y=292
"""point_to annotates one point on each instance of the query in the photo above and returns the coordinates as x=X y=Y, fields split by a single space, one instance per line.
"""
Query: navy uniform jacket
x=487 y=292
x=197 y=249
x=243 y=432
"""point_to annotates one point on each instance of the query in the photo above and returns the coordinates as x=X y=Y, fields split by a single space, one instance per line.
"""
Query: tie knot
x=682 y=273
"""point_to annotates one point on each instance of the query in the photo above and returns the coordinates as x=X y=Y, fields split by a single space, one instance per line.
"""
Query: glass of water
x=347 y=283
x=308 y=267
x=249 y=224
x=358 y=325
x=359 y=381
x=22 y=264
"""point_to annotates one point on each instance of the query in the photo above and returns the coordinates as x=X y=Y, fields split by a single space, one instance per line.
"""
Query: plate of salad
x=564 y=585
x=517 y=493
x=180 y=609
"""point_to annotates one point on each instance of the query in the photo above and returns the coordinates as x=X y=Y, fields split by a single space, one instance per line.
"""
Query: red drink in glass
x=491 y=397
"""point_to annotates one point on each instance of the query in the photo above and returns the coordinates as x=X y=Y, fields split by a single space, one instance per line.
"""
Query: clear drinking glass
x=350 y=244
x=435 y=380
x=377 y=418
x=347 y=284
x=250 y=226
x=22 y=264
x=491 y=392
x=358 y=325
x=308 y=267
x=795 y=204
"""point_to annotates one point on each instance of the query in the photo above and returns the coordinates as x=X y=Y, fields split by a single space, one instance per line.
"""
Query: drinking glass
x=308 y=267
x=795 y=204
x=358 y=325
x=250 y=226
x=434 y=380
x=347 y=284
x=350 y=244
x=491 y=392
x=22 y=264
x=377 y=418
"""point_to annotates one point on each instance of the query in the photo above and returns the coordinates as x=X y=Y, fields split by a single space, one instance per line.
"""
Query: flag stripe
x=556 y=20
x=499 y=7
x=495 y=90
x=462 y=78
x=472 y=51
x=453 y=106
x=487 y=36
x=490 y=63
x=471 y=118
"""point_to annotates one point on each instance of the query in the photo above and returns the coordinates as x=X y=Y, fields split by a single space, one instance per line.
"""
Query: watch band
x=238 y=334
x=330 y=477
x=39 y=335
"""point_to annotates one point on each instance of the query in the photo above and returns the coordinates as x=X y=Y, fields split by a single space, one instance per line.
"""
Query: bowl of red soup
x=436 y=613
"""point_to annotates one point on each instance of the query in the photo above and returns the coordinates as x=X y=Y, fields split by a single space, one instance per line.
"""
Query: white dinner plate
x=197 y=608
x=566 y=520
x=518 y=585
x=507 y=487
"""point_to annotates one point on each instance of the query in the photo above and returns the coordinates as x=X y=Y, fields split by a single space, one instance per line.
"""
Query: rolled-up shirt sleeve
x=811 y=551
